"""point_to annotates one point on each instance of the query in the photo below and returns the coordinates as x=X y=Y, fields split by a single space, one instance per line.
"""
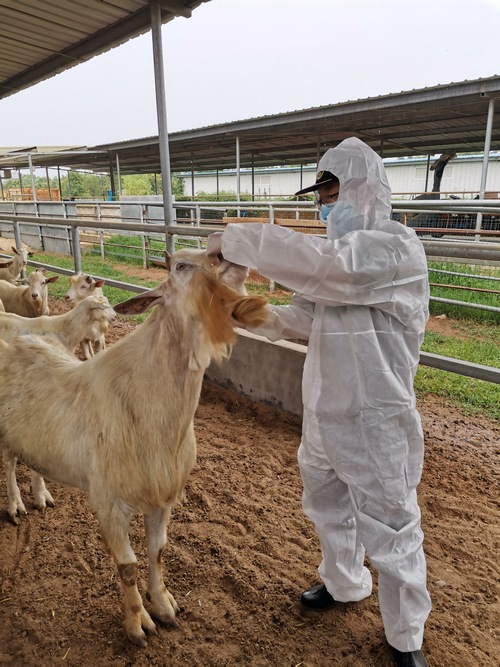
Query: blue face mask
x=326 y=209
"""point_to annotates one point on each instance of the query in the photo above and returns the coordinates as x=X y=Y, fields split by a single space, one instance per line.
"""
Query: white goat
x=135 y=453
x=84 y=321
x=81 y=287
x=12 y=269
x=29 y=300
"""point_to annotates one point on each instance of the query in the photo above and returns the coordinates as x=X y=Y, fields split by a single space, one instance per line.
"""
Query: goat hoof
x=138 y=640
x=16 y=512
x=167 y=621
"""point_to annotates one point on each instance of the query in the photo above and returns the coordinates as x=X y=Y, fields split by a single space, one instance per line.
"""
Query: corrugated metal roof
x=39 y=38
x=420 y=122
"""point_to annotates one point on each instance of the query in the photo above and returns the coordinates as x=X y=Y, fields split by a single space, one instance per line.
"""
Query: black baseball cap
x=322 y=178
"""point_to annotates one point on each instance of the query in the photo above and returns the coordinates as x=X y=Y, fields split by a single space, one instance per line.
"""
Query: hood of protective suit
x=365 y=196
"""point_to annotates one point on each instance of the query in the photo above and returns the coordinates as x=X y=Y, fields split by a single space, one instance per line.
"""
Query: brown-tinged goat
x=136 y=451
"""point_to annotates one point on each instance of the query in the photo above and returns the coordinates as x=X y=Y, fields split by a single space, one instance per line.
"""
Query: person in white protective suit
x=361 y=299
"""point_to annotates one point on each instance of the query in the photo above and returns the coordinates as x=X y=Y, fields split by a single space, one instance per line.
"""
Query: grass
x=481 y=298
x=475 y=335
x=476 y=344
x=94 y=266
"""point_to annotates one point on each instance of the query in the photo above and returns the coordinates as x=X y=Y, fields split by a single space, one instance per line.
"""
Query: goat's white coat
x=81 y=287
x=29 y=300
x=84 y=321
x=134 y=454
x=12 y=271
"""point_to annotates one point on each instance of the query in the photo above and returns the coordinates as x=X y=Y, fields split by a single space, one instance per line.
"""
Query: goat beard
x=222 y=308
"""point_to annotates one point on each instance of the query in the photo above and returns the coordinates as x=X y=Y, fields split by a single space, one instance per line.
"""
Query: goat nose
x=66 y=297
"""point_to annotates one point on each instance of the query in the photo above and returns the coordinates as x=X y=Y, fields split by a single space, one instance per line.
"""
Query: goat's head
x=23 y=254
x=199 y=294
x=98 y=308
x=81 y=287
x=230 y=274
x=37 y=284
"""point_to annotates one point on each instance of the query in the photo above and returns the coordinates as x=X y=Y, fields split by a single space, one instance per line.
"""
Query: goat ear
x=14 y=250
x=30 y=254
x=168 y=257
x=88 y=279
x=140 y=303
x=99 y=283
x=52 y=279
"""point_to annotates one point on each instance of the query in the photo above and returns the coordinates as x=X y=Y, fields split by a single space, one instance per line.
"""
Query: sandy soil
x=241 y=551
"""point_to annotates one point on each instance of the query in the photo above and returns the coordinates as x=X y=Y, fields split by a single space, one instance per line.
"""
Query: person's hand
x=214 y=244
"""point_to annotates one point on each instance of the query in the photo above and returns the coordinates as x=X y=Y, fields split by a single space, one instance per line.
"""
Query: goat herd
x=136 y=452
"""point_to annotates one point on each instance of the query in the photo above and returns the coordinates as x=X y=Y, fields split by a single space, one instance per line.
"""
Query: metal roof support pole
x=112 y=179
x=192 y=182
x=1 y=188
x=161 y=110
x=59 y=181
x=301 y=175
x=118 y=176
x=253 y=179
x=238 y=175
x=486 y=155
x=48 y=183
x=69 y=184
x=32 y=176
x=217 y=182
x=427 y=173
x=20 y=183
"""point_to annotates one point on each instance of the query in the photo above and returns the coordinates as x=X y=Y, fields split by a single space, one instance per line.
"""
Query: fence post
x=19 y=242
x=77 y=251
x=143 y=241
x=101 y=233
x=198 y=223
x=272 y=284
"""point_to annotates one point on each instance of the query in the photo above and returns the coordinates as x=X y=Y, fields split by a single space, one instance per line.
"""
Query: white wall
x=461 y=175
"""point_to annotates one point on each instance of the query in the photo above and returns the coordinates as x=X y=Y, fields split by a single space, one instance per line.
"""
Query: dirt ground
x=241 y=551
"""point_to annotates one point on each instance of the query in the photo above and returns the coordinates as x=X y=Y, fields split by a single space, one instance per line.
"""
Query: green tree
x=145 y=184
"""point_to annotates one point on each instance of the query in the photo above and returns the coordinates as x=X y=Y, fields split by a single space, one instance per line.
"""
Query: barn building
x=407 y=177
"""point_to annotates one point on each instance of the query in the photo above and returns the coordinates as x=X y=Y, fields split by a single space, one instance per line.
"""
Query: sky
x=239 y=59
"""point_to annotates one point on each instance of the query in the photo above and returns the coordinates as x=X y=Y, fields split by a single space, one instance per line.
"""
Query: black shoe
x=409 y=658
x=317 y=597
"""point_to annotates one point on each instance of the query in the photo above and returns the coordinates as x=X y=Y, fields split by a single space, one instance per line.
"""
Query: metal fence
x=60 y=227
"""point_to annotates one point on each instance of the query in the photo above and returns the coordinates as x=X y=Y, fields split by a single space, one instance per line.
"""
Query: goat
x=233 y=275
x=12 y=270
x=84 y=321
x=136 y=452
x=29 y=300
x=81 y=287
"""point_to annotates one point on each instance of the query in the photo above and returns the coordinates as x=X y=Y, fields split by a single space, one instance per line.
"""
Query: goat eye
x=180 y=266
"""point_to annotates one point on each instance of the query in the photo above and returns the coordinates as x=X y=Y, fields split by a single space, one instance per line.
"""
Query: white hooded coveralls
x=361 y=300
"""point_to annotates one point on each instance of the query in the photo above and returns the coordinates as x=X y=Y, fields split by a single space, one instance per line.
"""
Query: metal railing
x=199 y=228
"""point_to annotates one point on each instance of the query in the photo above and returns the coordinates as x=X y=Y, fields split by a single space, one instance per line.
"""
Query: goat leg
x=15 y=503
x=114 y=527
x=164 y=605
x=41 y=494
